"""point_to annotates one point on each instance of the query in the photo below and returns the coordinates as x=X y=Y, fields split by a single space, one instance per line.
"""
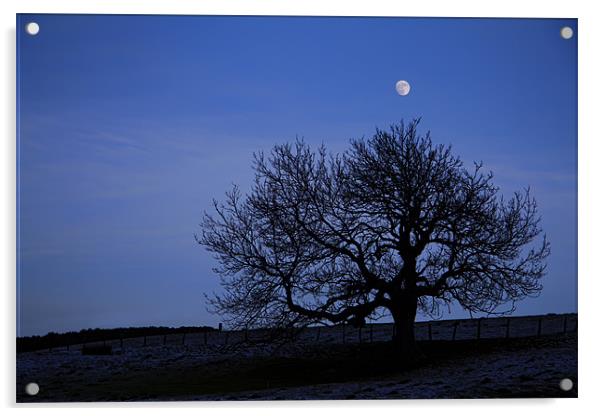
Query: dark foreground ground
x=502 y=368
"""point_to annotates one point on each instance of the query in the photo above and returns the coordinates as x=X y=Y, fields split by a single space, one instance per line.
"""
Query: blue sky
x=130 y=125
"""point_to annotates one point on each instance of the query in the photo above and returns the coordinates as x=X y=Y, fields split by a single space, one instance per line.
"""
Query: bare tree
x=396 y=224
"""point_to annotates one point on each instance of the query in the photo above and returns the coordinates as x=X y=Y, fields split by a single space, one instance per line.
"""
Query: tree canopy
x=395 y=224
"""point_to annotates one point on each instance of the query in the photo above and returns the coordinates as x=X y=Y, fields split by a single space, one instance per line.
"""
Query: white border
x=590 y=66
x=508 y=8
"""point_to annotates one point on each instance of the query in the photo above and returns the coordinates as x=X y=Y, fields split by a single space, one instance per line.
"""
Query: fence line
x=450 y=330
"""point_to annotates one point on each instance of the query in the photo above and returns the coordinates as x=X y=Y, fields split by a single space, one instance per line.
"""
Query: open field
x=318 y=367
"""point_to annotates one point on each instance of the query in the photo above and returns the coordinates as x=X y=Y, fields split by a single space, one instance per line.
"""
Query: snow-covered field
x=504 y=373
x=226 y=369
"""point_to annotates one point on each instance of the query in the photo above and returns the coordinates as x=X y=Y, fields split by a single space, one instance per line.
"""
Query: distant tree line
x=55 y=340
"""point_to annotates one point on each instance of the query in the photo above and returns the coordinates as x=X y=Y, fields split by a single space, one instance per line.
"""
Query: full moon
x=402 y=87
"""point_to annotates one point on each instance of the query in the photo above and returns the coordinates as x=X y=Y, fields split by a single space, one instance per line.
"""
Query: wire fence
x=443 y=330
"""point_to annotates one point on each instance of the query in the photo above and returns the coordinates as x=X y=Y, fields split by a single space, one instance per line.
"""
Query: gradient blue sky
x=130 y=125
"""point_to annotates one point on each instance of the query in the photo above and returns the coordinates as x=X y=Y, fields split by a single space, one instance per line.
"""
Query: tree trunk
x=404 y=314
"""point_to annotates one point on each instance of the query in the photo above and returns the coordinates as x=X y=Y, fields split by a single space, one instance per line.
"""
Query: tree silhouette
x=395 y=224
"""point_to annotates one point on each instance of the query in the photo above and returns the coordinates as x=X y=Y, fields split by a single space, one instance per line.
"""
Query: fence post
x=430 y=332
x=539 y=327
x=455 y=330
x=507 y=327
